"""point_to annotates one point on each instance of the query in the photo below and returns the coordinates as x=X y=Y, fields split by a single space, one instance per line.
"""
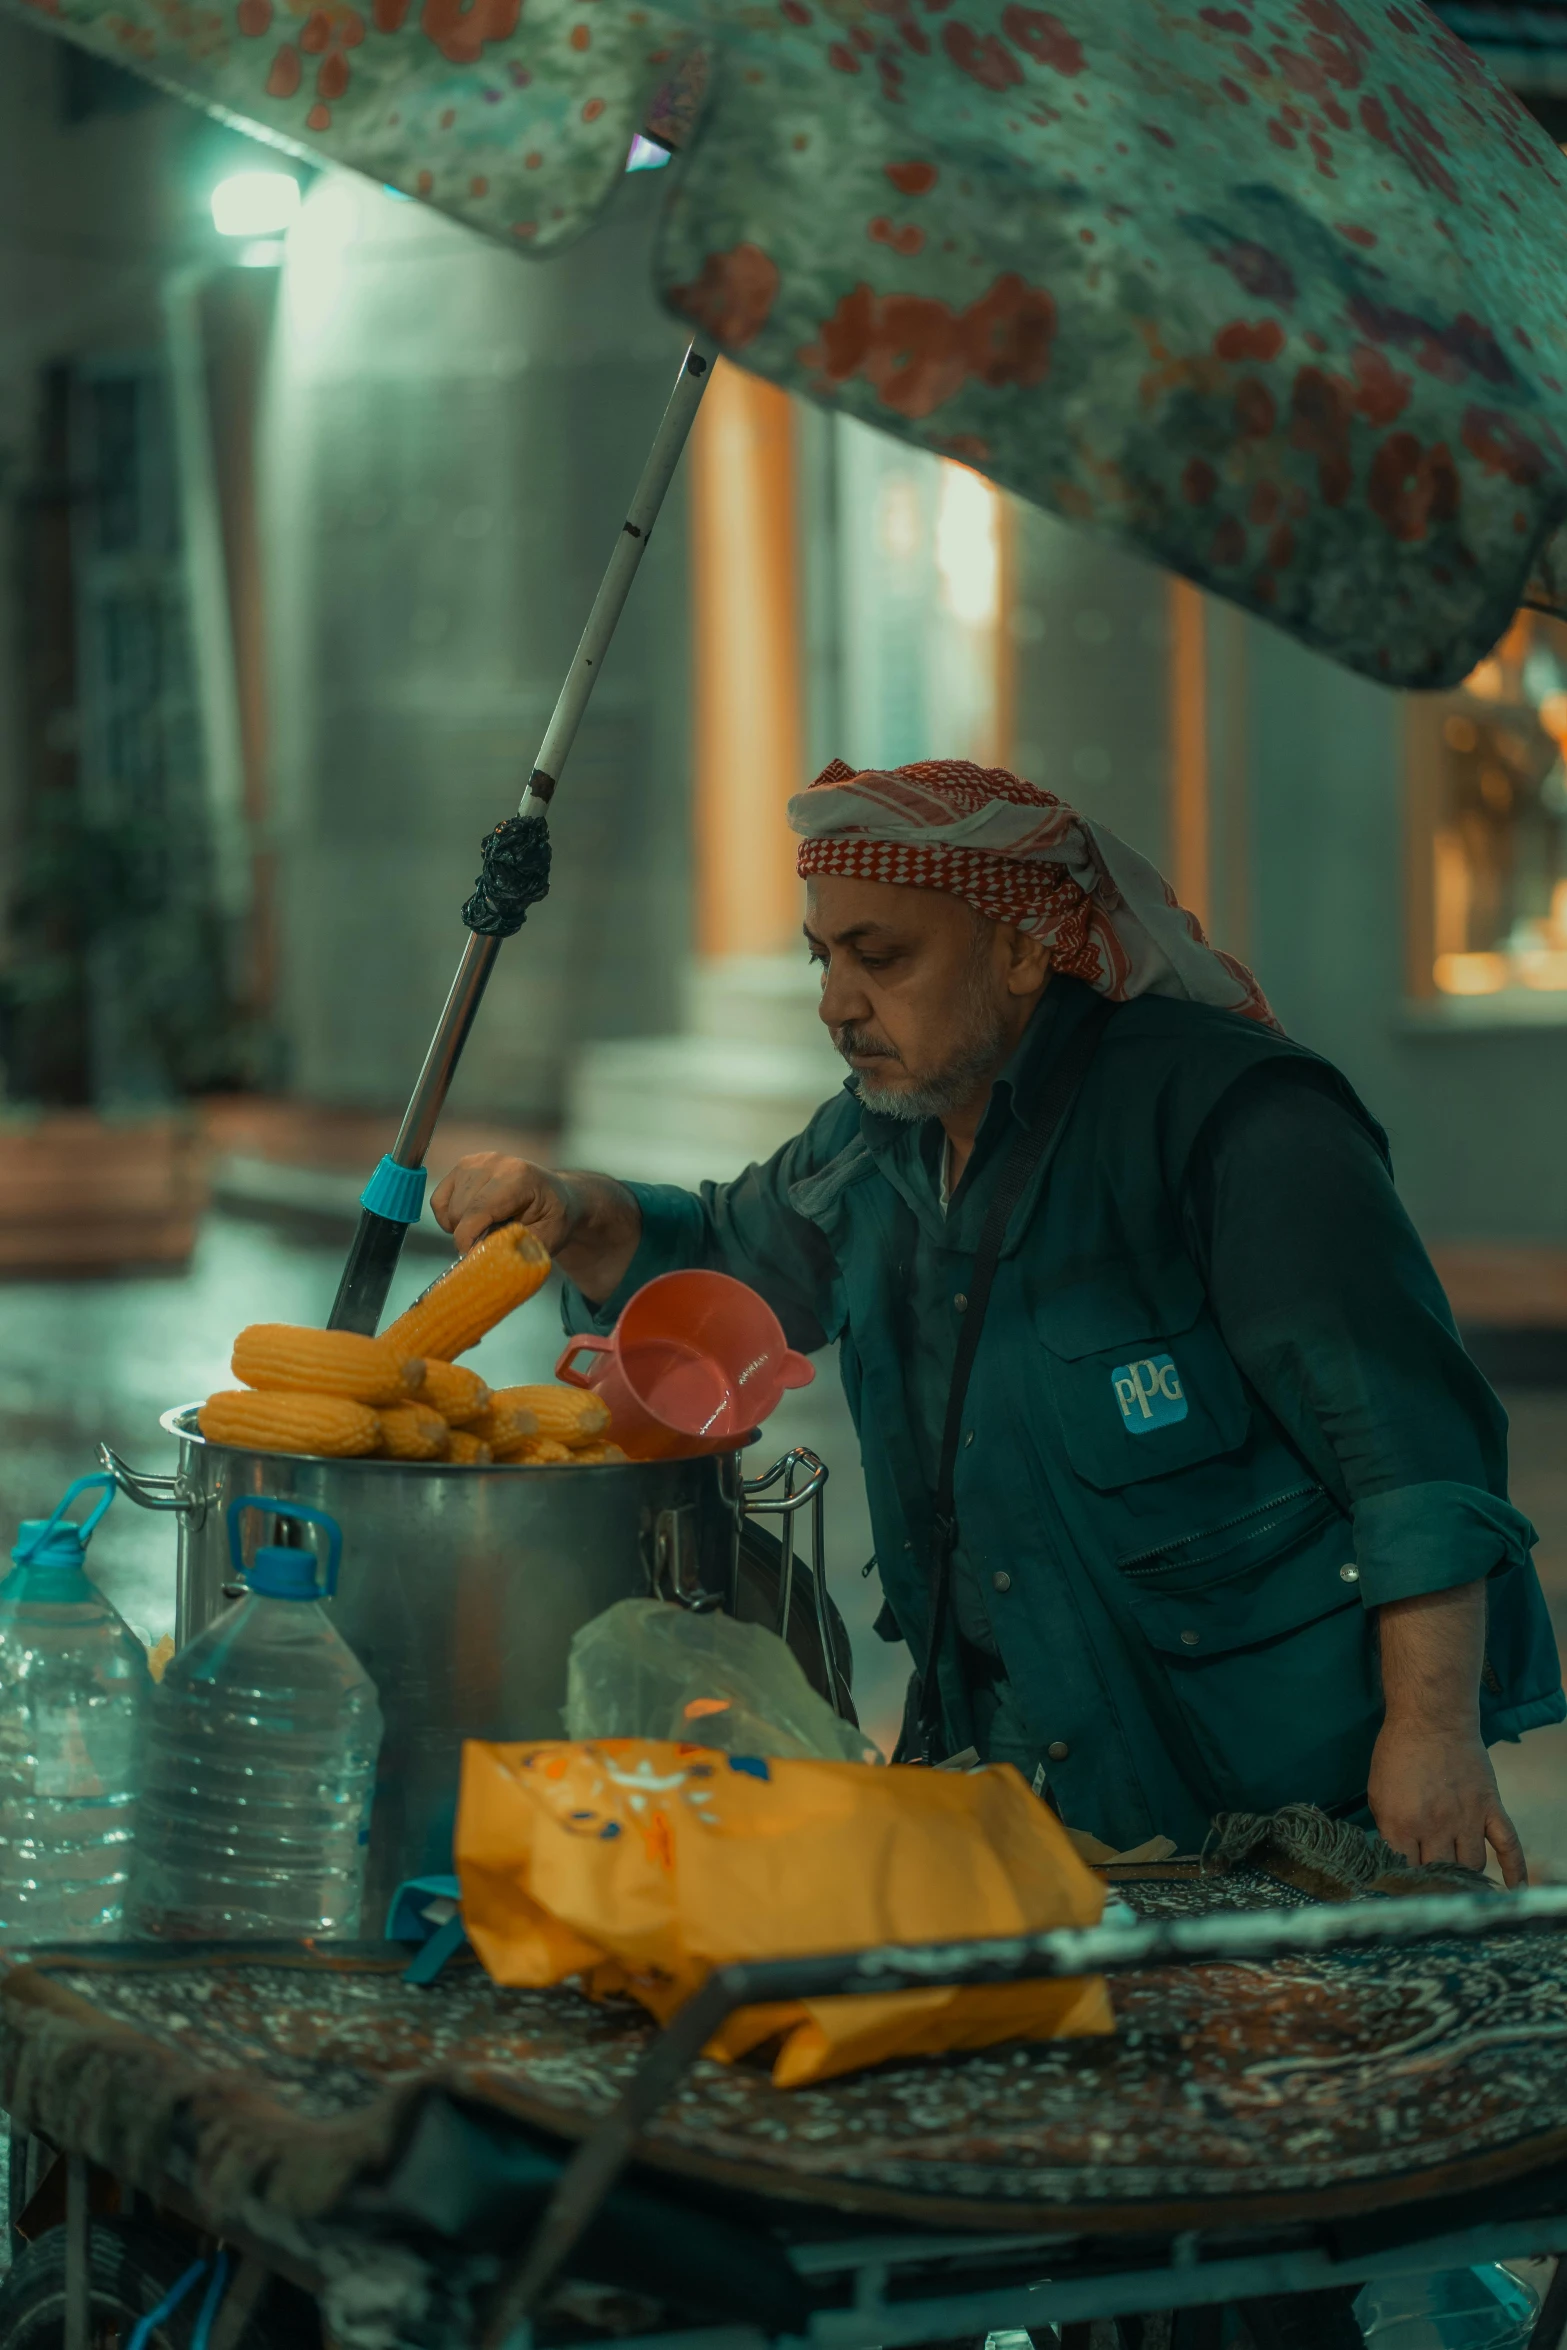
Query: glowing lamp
x=255 y=204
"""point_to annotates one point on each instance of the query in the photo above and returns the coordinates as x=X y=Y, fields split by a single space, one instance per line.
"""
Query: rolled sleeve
x=674 y=1235
x=1422 y=1538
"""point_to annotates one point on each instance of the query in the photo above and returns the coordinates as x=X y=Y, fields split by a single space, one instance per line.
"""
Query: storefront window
x=1498 y=821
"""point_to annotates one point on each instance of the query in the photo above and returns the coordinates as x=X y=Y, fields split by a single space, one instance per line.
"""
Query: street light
x=255 y=204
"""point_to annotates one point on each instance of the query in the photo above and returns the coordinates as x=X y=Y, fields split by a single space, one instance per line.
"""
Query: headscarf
x=1020 y=855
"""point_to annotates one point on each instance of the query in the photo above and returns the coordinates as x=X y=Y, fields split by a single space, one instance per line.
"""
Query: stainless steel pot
x=461 y=1588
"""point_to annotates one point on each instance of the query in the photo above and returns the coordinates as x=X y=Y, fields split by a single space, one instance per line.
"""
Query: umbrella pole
x=394 y=1196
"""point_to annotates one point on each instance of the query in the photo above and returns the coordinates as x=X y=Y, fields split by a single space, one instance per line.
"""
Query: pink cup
x=695 y=1362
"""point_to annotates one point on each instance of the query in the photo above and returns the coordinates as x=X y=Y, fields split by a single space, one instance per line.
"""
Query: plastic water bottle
x=73 y=1681
x=258 y=1770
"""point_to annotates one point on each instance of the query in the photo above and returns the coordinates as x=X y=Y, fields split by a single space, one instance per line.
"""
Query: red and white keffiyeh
x=1020 y=855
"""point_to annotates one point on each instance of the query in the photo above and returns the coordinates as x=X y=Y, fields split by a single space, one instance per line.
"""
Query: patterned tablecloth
x=1230 y=2094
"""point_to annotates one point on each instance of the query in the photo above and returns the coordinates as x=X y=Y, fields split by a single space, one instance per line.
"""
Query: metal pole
x=78 y=2274
x=210 y=607
x=372 y=1260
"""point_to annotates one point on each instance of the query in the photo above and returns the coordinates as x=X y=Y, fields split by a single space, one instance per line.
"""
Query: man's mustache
x=858 y=1043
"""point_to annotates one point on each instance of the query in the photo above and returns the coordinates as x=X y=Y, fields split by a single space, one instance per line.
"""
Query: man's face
x=923 y=997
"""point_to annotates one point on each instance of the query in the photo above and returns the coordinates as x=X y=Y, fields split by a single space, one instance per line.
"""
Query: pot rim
x=180 y=1421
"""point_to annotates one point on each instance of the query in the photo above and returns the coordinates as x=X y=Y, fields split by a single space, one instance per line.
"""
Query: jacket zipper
x=1142 y=1561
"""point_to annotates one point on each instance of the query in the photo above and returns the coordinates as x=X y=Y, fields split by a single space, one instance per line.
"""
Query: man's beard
x=974 y=1060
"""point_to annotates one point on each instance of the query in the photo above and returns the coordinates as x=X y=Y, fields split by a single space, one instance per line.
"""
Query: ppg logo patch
x=1149 y=1393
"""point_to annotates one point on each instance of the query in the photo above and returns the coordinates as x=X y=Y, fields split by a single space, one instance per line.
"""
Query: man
x=1231 y=1526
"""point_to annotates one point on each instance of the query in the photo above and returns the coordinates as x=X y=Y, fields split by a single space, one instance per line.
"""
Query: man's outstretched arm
x=603 y=1233
x=590 y=1224
x=1433 y=1792
x=1329 y=1304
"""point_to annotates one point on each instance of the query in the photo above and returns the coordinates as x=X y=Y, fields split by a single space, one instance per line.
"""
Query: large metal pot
x=461 y=1588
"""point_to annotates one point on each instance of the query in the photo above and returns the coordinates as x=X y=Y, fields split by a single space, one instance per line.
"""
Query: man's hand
x=1435 y=1797
x=589 y=1223
x=486 y=1190
x=1433 y=1792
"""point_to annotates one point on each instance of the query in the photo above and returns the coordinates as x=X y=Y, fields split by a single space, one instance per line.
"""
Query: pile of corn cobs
x=403 y=1396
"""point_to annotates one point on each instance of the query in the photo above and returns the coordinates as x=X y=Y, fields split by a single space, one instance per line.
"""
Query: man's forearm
x=1433 y=1792
x=1433 y=1651
x=603 y=1229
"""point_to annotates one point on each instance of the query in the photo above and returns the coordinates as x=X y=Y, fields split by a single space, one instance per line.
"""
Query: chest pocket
x=1141 y=1380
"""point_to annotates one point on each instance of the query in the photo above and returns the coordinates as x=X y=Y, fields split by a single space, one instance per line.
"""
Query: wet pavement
x=89 y=1361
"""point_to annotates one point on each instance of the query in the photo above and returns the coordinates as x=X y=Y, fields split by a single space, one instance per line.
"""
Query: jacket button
x=1349 y=1574
x=1190 y=1639
x=1057 y=1750
x=961 y=1302
x=1001 y=1580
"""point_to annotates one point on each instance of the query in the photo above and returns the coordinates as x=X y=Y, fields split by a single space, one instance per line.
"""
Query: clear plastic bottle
x=258 y=1768
x=73 y=1681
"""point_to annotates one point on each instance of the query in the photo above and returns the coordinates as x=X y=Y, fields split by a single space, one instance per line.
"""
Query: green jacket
x=1180 y=1528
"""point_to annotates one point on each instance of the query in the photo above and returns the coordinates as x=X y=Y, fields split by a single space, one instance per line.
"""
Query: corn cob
x=458 y=1395
x=469 y=1449
x=330 y=1424
x=413 y=1432
x=503 y=1423
x=536 y=1452
x=281 y=1356
x=572 y=1415
x=597 y=1456
x=502 y=1271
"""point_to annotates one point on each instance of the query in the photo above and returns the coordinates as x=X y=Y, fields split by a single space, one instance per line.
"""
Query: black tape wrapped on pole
x=514 y=876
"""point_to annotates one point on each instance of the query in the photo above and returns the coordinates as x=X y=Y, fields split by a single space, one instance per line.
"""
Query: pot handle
x=579 y=1346
x=149 y=1491
x=796 y=1371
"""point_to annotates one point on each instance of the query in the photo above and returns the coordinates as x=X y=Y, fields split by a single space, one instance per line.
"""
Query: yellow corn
x=597 y=1456
x=458 y=1395
x=502 y=1271
x=536 y=1452
x=470 y=1450
x=572 y=1415
x=330 y=1424
x=503 y=1423
x=413 y=1432
x=279 y=1355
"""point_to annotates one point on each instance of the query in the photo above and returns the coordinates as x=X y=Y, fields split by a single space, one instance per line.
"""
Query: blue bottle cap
x=48 y=1561
x=280 y=1573
x=277 y=1573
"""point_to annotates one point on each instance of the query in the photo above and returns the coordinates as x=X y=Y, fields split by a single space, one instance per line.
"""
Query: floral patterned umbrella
x=1269 y=290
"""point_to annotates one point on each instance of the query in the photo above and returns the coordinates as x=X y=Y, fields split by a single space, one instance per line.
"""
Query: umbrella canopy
x=1268 y=290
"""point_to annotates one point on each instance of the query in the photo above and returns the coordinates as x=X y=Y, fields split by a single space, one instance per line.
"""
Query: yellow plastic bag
x=640 y=1865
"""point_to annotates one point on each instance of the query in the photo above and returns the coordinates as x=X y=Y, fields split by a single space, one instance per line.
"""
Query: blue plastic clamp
x=426 y=1910
x=306 y=1516
x=395 y=1192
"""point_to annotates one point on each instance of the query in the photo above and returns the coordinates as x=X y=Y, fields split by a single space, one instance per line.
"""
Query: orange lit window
x=1496 y=792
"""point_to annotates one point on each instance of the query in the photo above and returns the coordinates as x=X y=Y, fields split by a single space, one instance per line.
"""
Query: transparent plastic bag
x=1484 y=2308
x=648 y=1669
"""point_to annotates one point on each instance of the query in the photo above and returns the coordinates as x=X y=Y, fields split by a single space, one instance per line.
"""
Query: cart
x=1313 y=2083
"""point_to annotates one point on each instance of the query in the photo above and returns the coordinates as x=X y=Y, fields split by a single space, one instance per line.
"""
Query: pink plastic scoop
x=695 y=1362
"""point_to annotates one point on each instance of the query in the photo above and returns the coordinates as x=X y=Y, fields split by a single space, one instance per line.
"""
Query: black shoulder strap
x=1028 y=1148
